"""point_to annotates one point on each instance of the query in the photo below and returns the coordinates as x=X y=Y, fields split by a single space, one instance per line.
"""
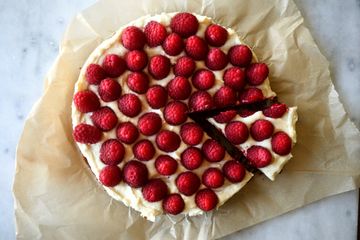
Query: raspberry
x=94 y=74
x=261 y=129
x=234 y=77
x=196 y=48
x=155 y=33
x=167 y=141
x=191 y=158
x=173 y=204
x=216 y=35
x=129 y=104
x=216 y=59
x=104 y=119
x=175 y=113
x=165 y=165
x=258 y=156
x=236 y=132
x=133 y=38
x=225 y=96
x=138 y=82
x=173 y=44
x=149 y=123
x=240 y=55
x=159 y=67
x=225 y=117
x=179 y=88
x=144 y=150
x=112 y=152
x=110 y=176
x=187 y=183
x=200 y=100
x=277 y=110
x=184 y=67
x=109 y=90
x=127 y=132
x=234 y=171
x=213 y=151
x=213 y=178
x=281 y=143
x=114 y=65
x=191 y=133
x=135 y=174
x=203 y=79
x=184 y=24
x=156 y=96
x=245 y=112
x=86 y=101
x=206 y=199
x=256 y=73
x=251 y=95
x=85 y=133
x=155 y=190
x=136 y=60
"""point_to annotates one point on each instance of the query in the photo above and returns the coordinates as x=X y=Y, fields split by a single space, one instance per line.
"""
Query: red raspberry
x=216 y=59
x=234 y=77
x=175 y=113
x=166 y=165
x=203 y=79
x=173 y=44
x=127 y=132
x=196 y=48
x=112 y=152
x=185 y=24
x=187 y=183
x=129 y=104
x=251 y=95
x=240 y=55
x=167 y=141
x=216 y=35
x=225 y=117
x=258 y=156
x=277 y=110
x=236 y=132
x=155 y=33
x=159 y=67
x=136 y=60
x=200 y=101
x=135 y=174
x=156 y=96
x=234 y=171
x=86 y=101
x=144 y=150
x=191 y=158
x=109 y=90
x=206 y=199
x=173 y=204
x=281 y=143
x=149 y=123
x=104 y=118
x=155 y=190
x=261 y=129
x=114 y=65
x=245 y=112
x=94 y=74
x=184 y=67
x=191 y=133
x=133 y=38
x=179 y=88
x=85 y=133
x=110 y=176
x=213 y=151
x=213 y=178
x=138 y=82
x=256 y=73
x=225 y=96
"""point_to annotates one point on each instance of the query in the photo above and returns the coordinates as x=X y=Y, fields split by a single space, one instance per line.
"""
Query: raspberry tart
x=174 y=113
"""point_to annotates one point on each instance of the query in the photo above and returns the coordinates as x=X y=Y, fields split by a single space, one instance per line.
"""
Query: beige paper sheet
x=56 y=196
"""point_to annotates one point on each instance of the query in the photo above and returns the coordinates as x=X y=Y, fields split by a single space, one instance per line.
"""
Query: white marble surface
x=31 y=30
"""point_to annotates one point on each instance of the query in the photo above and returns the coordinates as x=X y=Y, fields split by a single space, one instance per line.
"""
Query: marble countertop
x=29 y=39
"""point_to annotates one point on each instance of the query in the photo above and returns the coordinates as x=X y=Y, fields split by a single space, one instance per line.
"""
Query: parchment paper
x=56 y=197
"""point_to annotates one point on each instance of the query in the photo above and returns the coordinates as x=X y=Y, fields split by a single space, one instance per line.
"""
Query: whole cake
x=174 y=114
